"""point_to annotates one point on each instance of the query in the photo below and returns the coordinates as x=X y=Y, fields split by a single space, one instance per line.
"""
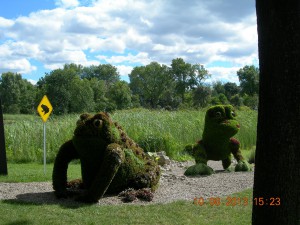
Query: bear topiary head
x=220 y=120
x=98 y=126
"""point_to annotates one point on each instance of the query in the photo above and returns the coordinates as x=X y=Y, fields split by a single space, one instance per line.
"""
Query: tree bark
x=277 y=160
x=3 y=162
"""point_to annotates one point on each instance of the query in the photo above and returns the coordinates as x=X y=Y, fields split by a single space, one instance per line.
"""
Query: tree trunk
x=277 y=163
x=3 y=162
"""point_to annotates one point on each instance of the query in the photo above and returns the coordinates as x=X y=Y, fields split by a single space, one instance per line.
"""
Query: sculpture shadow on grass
x=47 y=198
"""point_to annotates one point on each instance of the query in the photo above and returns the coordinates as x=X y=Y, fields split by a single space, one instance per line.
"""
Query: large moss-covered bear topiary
x=110 y=160
x=217 y=142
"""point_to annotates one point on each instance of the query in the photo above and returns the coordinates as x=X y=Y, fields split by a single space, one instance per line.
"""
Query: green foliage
x=82 y=96
x=75 y=89
x=120 y=95
x=231 y=89
x=105 y=72
x=187 y=76
x=201 y=96
x=218 y=88
x=152 y=83
x=249 y=79
x=220 y=99
x=17 y=94
x=57 y=85
x=251 y=101
x=236 y=100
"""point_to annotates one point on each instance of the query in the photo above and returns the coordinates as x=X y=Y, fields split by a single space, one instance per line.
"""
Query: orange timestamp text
x=237 y=201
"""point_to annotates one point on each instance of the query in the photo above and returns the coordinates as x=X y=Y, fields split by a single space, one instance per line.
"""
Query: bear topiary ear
x=84 y=116
x=107 y=114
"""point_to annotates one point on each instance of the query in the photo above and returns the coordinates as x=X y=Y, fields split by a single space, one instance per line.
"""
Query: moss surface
x=217 y=142
x=110 y=160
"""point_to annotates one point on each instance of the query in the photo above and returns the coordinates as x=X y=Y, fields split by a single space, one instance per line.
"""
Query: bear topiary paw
x=230 y=169
x=199 y=169
x=242 y=165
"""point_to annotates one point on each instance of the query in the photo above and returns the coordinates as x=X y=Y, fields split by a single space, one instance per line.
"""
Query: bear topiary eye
x=233 y=114
x=97 y=123
x=218 y=115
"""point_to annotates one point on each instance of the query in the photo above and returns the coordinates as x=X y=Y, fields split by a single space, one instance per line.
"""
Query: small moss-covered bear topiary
x=110 y=161
x=217 y=142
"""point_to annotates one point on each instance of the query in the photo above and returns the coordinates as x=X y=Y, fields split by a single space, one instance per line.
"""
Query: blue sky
x=37 y=36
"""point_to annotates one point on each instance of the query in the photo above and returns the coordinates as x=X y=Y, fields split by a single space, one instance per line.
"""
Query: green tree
x=100 y=90
x=120 y=95
x=187 y=76
x=28 y=95
x=10 y=92
x=220 y=99
x=151 y=83
x=249 y=79
x=231 y=89
x=251 y=101
x=236 y=100
x=17 y=94
x=106 y=72
x=218 y=88
x=82 y=96
x=57 y=85
x=201 y=96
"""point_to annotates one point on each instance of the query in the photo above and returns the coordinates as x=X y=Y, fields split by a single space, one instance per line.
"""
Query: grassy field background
x=155 y=131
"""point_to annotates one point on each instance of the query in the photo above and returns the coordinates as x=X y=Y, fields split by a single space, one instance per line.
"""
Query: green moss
x=217 y=142
x=110 y=160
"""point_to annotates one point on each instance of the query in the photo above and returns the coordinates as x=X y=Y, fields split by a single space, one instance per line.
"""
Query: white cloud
x=5 y=22
x=32 y=81
x=224 y=74
x=124 y=70
x=67 y=3
x=140 y=58
x=198 y=31
x=22 y=66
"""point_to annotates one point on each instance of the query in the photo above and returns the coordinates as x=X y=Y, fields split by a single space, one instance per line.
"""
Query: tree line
x=76 y=89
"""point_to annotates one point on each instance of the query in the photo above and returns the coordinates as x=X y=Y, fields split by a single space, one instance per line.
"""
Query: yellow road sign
x=45 y=108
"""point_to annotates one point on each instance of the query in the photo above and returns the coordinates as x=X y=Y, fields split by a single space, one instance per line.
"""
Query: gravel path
x=173 y=186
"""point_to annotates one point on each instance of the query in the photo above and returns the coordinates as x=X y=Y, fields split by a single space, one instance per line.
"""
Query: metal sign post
x=45 y=148
x=3 y=161
x=44 y=109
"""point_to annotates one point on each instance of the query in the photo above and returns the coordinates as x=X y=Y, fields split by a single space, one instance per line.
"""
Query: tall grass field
x=155 y=131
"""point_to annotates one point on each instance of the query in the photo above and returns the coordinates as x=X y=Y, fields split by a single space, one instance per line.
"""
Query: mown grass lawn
x=180 y=212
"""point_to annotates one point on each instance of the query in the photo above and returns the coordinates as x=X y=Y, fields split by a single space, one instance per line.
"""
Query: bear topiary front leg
x=113 y=158
x=65 y=155
x=226 y=164
x=201 y=168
